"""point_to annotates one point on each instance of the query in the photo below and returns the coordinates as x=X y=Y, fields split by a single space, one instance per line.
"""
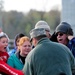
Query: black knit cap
x=65 y=28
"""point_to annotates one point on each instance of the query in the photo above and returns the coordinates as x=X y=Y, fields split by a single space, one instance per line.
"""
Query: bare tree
x=1 y=8
x=43 y=9
x=1 y=4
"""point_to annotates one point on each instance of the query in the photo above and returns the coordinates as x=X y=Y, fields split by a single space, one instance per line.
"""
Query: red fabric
x=4 y=68
x=4 y=56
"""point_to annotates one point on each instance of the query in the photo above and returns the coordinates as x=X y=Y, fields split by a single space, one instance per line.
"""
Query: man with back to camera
x=43 y=24
x=48 y=58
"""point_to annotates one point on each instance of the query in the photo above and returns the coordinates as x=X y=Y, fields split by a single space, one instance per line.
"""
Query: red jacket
x=4 y=56
x=4 y=68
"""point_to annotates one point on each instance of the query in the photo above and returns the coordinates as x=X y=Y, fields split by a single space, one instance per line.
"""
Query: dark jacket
x=70 y=45
x=49 y=58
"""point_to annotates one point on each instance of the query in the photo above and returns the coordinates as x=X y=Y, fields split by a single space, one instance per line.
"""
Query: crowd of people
x=41 y=54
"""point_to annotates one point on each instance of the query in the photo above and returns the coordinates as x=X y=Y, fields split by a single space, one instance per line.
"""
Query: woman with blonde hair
x=18 y=60
x=4 y=68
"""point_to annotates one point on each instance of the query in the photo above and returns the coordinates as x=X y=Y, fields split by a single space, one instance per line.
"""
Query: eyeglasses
x=61 y=34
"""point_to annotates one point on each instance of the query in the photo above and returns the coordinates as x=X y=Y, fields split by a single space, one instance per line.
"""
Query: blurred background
x=18 y=16
x=21 y=15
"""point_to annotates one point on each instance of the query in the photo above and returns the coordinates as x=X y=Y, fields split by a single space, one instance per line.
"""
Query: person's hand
x=70 y=37
x=54 y=37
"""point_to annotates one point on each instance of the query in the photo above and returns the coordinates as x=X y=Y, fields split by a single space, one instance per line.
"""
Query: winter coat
x=12 y=52
x=49 y=58
x=15 y=62
x=71 y=45
x=7 y=70
x=4 y=56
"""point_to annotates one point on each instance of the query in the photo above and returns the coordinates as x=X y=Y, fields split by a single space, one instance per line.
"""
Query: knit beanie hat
x=42 y=24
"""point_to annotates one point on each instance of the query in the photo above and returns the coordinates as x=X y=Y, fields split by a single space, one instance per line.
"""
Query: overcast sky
x=26 y=5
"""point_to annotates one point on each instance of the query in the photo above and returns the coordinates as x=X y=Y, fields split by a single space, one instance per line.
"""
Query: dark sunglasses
x=61 y=34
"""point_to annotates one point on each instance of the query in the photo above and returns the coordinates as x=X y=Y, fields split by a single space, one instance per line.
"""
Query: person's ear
x=34 y=41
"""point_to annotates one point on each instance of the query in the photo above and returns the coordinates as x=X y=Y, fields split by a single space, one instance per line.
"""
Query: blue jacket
x=12 y=52
x=71 y=46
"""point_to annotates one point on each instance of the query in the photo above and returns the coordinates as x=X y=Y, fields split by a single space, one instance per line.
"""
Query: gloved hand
x=54 y=37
